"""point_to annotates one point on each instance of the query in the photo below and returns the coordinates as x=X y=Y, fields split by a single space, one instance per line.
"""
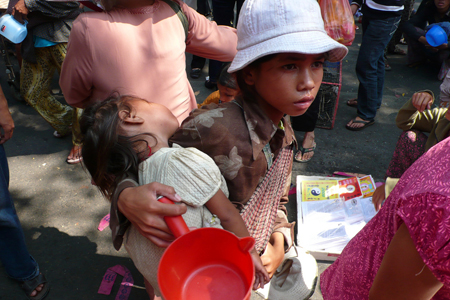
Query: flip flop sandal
x=58 y=135
x=366 y=124
x=387 y=66
x=353 y=102
x=195 y=73
x=303 y=151
x=74 y=161
x=30 y=285
x=398 y=51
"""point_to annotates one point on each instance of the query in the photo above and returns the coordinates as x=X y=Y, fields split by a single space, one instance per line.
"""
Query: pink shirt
x=420 y=200
x=140 y=52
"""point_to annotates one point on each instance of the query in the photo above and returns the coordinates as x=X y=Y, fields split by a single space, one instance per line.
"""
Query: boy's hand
x=261 y=275
x=354 y=8
x=274 y=253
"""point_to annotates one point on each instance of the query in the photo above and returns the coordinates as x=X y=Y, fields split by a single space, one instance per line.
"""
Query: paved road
x=60 y=210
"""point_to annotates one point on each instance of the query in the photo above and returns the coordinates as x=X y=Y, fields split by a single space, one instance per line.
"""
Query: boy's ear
x=249 y=75
x=126 y=117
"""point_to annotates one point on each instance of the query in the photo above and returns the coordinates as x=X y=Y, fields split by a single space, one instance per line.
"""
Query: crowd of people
x=139 y=130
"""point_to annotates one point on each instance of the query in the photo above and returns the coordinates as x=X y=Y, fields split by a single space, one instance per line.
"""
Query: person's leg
x=416 y=50
x=203 y=7
x=239 y=4
x=35 y=80
x=410 y=146
x=370 y=68
x=77 y=138
x=223 y=12
x=307 y=123
x=406 y=14
x=197 y=65
x=58 y=54
x=198 y=62
x=14 y=254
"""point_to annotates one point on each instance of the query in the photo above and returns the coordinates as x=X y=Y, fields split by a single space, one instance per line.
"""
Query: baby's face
x=156 y=118
x=226 y=94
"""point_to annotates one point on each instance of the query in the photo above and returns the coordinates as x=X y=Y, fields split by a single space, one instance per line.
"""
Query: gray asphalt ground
x=60 y=210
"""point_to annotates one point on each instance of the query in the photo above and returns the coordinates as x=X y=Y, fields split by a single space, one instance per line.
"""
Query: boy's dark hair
x=226 y=79
x=107 y=155
x=245 y=89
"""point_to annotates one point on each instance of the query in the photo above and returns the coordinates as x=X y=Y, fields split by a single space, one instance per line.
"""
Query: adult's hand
x=442 y=47
x=424 y=41
x=378 y=196
x=141 y=207
x=20 y=7
x=422 y=101
x=6 y=121
x=274 y=254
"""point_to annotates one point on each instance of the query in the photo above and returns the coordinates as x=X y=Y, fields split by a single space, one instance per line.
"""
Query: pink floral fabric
x=421 y=200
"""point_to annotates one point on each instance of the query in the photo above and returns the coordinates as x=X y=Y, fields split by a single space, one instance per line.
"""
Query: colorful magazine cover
x=367 y=185
x=349 y=188
x=316 y=190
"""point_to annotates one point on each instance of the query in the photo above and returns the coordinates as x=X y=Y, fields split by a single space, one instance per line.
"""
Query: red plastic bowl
x=206 y=264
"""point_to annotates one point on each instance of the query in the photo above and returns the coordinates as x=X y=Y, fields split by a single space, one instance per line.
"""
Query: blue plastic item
x=436 y=36
x=12 y=29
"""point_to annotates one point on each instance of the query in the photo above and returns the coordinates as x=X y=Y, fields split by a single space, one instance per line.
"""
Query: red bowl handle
x=246 y=244
x=176 y=224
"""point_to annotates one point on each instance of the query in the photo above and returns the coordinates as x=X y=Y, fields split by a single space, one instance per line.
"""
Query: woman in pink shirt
x=403 y=253
x=138 y=47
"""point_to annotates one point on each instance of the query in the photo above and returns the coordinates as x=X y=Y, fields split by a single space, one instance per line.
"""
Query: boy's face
x=287 y=84
x=442 y=5
x=226 y=94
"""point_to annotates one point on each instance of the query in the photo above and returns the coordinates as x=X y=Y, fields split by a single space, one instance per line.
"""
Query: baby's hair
x=108 y=155
x=226 y=79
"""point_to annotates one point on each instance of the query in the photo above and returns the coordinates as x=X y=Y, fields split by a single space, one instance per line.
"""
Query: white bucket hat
x=282 y=26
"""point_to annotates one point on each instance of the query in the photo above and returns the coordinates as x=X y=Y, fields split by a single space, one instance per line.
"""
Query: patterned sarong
x=260 y=211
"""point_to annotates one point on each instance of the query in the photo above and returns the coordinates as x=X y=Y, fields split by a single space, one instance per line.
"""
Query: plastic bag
x=338 y=19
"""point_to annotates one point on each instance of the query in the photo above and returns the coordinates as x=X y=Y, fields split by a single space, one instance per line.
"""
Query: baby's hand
x=261 y=275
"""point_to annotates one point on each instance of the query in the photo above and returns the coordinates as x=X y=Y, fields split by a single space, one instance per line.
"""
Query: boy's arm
x=282 y=237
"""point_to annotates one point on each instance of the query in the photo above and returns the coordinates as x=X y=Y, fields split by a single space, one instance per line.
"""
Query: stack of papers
x=331 y=211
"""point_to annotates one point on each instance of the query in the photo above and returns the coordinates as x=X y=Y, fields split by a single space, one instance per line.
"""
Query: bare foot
x=74 y=155
x=37 y=290
x=36 y=287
